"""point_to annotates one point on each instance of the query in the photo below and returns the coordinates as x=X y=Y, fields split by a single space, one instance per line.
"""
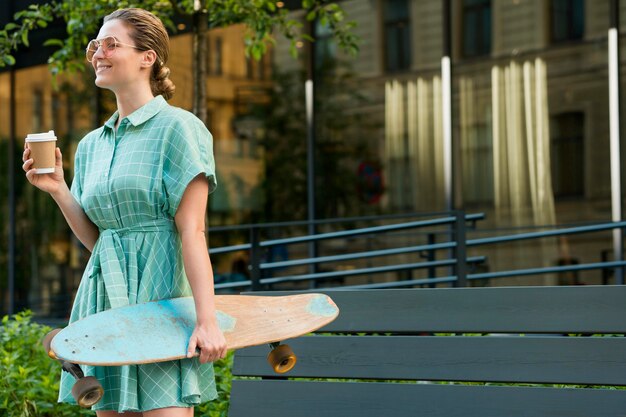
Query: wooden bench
x=407 y=353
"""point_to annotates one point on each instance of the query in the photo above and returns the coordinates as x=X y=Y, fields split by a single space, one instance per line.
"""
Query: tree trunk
x=200 y=29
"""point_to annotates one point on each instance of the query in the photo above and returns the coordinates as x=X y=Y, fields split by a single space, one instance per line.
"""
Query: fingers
x=209 y=353
x=30 y=175
x=208 y=342
x=191 y=348
x=27 y=164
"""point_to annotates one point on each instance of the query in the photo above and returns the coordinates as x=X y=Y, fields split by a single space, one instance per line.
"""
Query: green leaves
x=30 y=380
x=8 y=60
x=83 y=18
x=16 y=33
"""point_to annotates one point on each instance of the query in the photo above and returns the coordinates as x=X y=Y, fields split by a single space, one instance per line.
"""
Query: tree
x=261 y=17
x=344 y=138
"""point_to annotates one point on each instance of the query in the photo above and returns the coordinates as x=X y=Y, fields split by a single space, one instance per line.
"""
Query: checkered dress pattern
x=129 y=183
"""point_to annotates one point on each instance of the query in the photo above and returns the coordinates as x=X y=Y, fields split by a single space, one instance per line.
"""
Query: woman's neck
x=128 y=102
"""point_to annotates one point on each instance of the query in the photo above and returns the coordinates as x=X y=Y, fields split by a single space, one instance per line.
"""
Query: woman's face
x=126 y=66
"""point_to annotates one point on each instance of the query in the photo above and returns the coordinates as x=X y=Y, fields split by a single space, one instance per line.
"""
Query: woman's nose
x=99 y=53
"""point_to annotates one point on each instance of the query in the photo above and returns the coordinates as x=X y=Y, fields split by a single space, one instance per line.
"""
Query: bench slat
x=324 y=399
x=581 y=309
x=539 y=359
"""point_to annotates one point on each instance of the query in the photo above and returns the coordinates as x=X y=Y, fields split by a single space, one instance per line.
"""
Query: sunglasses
x=108 y=46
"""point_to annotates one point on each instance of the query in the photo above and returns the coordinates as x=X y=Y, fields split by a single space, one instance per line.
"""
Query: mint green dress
x=130 y=183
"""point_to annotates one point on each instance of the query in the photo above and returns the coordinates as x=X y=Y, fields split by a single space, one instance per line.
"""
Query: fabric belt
x=108 y=261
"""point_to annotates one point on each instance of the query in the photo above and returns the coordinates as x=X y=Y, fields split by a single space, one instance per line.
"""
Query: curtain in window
x=475 y=141
x=521 y=144
x=394 y=141
x=425 y=142
x=414 y=144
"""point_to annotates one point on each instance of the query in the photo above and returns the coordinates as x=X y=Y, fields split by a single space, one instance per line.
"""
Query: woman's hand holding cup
x=48 y=182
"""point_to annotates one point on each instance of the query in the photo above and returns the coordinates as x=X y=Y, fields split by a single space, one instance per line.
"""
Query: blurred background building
x=529 y=128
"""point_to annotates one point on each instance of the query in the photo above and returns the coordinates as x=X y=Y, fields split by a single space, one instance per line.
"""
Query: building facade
x=529 y=126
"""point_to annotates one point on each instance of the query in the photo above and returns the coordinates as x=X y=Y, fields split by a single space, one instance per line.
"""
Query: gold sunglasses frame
x=99 y=43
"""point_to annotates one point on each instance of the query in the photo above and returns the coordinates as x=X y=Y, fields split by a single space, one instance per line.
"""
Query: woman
x=138 y=202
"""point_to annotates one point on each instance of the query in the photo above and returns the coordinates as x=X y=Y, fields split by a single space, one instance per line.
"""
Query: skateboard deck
x=160 y=330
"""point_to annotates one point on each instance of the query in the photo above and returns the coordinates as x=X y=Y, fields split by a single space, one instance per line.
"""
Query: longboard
x=160 y=330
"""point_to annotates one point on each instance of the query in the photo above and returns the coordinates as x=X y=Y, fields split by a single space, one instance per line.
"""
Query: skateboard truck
x=281 y=358
x=87 y=391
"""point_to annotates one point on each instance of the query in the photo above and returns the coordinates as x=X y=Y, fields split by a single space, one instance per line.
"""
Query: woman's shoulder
x=177 y=115
x=182 y=123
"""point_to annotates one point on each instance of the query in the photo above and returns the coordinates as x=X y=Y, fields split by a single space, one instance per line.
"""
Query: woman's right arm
x=55 y=185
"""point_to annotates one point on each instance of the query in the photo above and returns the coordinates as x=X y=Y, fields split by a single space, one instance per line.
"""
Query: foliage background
x=30 y=380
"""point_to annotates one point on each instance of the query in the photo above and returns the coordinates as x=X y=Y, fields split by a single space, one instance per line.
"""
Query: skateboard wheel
x=282 y=359
x=47 y=340
x=87 y=391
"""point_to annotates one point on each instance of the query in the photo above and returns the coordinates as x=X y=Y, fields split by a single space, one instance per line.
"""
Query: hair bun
x=162 y=84
x=164 y=73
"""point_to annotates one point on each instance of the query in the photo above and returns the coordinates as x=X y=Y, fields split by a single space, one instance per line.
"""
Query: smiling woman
x=123 y=28
x=138 y=202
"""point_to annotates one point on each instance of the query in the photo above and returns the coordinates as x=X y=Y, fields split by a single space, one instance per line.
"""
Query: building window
x=397 y=32
x=325 y=47
x=476 y=28
x=568 y=20
x=255 y=70
x=249 y=67
x=567 y=154
x=37 y=117
x=215 y=56
x=261 y=69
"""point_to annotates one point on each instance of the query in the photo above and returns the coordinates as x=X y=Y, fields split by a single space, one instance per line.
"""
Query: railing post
x=460 y=252
x=432 y=271
x=255 y=259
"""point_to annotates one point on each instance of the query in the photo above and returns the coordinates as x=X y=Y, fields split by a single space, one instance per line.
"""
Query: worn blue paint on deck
x=226 y=322
x=164 y=331
x=322 y=306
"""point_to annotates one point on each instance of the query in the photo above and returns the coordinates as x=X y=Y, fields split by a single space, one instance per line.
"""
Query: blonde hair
x=148 y=33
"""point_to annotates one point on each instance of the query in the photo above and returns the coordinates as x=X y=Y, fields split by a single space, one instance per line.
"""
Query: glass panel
x=325 y=47
x=396 y=10
x=567 y=154
x=568 y=20
x=476 y=23
x=530 y=127
x=397 y=35
x=532 y=131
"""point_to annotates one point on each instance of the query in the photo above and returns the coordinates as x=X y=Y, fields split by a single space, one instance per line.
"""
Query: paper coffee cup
x=43 y=151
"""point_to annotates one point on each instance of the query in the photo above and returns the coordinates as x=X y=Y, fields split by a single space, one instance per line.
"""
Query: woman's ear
x=149 y=58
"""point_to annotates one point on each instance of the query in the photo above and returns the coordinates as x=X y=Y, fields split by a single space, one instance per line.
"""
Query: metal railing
x=456 y=222
x=456 y=260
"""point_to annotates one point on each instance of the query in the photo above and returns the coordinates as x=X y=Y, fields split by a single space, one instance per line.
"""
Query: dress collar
x=142 y=114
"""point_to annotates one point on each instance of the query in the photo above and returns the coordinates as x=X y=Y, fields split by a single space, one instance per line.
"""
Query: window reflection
x=397 y=35
x=568 y=20
x=515 y=91
x=476 y=38
x=568 y=159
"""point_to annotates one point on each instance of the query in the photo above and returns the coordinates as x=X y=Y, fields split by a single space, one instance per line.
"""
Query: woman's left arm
x=190 y=224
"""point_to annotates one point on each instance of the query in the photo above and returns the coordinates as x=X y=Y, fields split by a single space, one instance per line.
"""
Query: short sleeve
x=77 y=182
x=188 y=152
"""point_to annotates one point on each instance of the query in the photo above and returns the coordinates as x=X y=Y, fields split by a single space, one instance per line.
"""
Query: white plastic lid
x=41 y=137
